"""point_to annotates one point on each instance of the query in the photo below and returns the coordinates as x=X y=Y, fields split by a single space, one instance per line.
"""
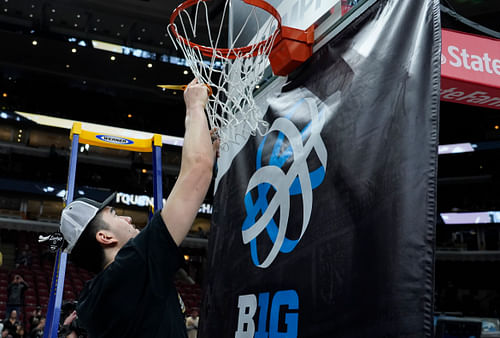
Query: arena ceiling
x=50 y=79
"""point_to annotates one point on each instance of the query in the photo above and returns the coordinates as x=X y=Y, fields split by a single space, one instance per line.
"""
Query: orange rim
x=226 y=52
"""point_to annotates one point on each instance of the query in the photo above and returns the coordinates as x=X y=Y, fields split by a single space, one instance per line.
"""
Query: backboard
x=300 y=14
x=329 y=17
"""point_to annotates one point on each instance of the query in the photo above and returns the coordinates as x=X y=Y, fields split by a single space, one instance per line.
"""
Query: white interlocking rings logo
x=298 y=180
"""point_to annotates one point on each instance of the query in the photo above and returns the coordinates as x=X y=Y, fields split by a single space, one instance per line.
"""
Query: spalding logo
x=114 y=139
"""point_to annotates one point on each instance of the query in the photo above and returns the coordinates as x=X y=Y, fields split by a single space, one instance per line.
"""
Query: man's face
x=121 y=227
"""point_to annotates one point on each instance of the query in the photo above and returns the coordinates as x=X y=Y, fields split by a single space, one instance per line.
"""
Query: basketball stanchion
x=234 y=72
x=78 y=135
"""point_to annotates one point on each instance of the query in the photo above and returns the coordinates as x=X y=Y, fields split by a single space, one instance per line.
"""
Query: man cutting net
x=133 y=294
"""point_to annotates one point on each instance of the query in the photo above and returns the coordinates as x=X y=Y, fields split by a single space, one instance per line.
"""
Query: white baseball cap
x=77 y=215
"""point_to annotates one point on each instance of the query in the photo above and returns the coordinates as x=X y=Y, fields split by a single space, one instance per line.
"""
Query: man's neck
x=110 y=254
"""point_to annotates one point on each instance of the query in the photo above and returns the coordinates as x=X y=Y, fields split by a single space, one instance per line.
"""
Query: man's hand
x=70 y=318
x=195 y=96
x=215 y=141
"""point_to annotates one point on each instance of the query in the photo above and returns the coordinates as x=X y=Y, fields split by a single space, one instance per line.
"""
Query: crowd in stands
x=24 y=291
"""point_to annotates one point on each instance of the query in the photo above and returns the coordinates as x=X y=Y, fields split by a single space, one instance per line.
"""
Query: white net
x=232 y=73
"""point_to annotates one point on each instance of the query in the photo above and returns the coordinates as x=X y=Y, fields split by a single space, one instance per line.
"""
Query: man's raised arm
x=198 y=154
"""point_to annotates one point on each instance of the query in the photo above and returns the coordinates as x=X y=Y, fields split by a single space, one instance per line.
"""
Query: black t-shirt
x=135 y=296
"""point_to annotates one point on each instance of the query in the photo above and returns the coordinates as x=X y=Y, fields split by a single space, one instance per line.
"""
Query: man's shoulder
x=155 y=231
x=156 y=221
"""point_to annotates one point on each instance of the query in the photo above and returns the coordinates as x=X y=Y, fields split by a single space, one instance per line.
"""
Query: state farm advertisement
x=470 y=69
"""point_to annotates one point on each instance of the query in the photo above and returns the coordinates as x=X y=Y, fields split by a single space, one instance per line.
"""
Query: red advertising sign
x=470 y=69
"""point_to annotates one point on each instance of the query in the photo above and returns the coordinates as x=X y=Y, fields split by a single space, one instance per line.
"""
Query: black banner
x=324 y=227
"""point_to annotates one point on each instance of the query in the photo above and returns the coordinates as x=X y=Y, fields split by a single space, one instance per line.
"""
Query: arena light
x=140 y=53
x=471 y=217
x=456 y=148
x=107 y=46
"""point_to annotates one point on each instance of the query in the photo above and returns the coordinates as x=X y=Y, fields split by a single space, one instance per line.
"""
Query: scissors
x=183 y=87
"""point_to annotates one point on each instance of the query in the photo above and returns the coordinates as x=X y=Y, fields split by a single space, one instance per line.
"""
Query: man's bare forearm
x=197 y=150
x=195 y=175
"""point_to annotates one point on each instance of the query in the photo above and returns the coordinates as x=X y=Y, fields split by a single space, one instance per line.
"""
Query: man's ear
x=105 y=237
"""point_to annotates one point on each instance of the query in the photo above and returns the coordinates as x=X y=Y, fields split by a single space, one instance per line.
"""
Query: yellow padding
x=112 y=141
x=157 y=140
x=75 y=129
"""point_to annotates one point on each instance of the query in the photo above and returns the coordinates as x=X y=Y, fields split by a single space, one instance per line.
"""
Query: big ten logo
x=283 y=315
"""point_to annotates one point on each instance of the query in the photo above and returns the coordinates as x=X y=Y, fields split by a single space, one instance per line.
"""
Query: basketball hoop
x=234 y=72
